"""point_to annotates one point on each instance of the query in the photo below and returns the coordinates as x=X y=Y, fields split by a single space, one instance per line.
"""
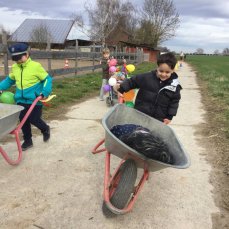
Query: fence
x=75 y=55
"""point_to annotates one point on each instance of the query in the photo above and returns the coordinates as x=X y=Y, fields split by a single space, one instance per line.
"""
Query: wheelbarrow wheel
x=124 y=188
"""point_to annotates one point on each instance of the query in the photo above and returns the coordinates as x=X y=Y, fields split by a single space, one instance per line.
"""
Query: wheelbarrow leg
x=16 y=134
x=111 y=183
x=6 y=157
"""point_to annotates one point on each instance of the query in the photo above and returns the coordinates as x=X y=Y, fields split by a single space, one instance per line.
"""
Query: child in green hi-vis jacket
x=31 y=81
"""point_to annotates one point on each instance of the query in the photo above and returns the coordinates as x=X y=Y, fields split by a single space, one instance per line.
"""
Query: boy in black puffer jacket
x=159 y=90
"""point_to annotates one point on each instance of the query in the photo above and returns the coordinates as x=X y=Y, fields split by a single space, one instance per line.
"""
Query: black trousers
x=34 y=118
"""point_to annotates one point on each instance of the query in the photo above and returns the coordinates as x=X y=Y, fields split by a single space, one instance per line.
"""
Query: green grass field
x=214 y=70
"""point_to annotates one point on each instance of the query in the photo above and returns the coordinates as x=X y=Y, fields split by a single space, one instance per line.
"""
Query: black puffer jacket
x=156 y=98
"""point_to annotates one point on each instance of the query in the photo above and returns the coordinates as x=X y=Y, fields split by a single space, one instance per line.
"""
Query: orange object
x=66 y=63
x=129 y=96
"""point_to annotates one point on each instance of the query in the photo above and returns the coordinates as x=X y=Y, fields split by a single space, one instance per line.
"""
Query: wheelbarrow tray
x=120 y=114
x=8 y=118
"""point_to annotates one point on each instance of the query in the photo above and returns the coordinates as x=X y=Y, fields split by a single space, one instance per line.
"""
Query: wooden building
x=150 y=54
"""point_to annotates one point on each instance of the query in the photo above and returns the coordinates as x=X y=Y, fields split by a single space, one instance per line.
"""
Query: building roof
x=58 y=29
x=139 y=45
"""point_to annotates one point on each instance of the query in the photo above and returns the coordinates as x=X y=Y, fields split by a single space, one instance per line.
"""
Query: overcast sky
x=204 y=23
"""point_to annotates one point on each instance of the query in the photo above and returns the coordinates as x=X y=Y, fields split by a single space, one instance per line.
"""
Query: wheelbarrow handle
x=120 y=100
x=19 y=158
x=96 y=150
x=15 y=132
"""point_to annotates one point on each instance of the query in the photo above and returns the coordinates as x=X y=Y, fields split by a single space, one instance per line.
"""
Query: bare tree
x=3 y=30
x=159 y=21
x=132 y=23
x=40 y=36
x=226 y=51
x=164 y=49
x=199 y=51
x=105 y=15
x=216 y=52
x=78 y=23
x=145 y=33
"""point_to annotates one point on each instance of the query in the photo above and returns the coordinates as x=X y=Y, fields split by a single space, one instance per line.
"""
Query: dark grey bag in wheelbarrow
x=121 y=115
x=142 y=140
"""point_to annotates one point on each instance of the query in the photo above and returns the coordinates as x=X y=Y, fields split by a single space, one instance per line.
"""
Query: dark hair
x=167 y=58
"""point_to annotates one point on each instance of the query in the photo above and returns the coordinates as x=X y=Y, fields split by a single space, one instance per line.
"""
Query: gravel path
x=59 y=184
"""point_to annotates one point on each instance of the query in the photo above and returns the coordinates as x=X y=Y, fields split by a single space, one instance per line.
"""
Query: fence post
x=137 y=56
x=76 y=56
x=93 y=57
x=49 y=60
x=142 y=54
x=5 y=56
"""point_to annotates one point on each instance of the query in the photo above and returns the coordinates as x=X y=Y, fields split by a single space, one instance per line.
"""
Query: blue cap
x=18 y=49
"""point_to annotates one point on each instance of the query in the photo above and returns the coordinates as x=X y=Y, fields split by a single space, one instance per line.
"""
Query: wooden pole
x=49 y=60
x=5 y=56
x=93 y=57
x=142 y=55
x=76 y=56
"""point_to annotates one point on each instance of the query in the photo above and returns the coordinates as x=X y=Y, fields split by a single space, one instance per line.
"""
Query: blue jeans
x=34 y=118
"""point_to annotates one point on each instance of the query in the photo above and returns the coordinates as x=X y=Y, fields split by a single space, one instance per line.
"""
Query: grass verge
x=213 y=70
x=73 y=90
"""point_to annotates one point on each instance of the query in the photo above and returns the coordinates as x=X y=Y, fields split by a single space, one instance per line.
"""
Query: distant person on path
x=181 y=56
x=159 y=90
x=31 y=81
x=184 y=57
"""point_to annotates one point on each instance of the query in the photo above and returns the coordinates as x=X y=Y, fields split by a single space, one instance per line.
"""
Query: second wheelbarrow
x=120 y=191
x=9 y=115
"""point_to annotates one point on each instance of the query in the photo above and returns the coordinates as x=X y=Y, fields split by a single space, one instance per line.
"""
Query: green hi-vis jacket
x=31 y=80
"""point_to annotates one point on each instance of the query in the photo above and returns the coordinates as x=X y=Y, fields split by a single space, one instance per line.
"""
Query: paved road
x=59 y=184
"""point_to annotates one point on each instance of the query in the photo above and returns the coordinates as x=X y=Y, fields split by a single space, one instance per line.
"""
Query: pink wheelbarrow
x=120 y=190
x=9 y=115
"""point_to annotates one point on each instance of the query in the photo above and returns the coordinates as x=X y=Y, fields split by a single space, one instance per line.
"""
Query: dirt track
x=59 y=184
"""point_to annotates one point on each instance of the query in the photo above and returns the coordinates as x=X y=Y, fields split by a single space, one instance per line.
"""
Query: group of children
x=109 y=71
x=159 y=90
x=158 y=95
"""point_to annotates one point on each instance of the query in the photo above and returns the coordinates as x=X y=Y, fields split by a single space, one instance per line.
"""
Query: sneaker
x=27 y=144
x=46 y=134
